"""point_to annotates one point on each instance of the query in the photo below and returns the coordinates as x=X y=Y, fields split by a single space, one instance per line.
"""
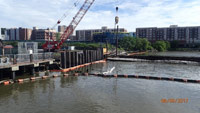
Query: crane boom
x=70 y=29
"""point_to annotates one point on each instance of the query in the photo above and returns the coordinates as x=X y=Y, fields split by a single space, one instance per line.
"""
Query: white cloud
x=132 y=13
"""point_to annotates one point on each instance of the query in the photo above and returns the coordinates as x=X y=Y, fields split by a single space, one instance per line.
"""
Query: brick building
x=43 y=34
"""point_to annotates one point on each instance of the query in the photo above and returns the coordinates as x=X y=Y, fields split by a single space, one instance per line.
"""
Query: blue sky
x=132 y=13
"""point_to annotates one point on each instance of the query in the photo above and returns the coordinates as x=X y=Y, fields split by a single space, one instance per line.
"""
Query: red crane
x=53 y=45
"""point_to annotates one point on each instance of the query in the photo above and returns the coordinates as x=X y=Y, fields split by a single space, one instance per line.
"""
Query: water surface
x=176 y=53
x=106 y=95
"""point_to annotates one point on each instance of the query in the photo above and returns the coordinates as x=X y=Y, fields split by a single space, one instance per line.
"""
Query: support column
x=86 y=56
x=32 y=71
x=75 y=58
x=83 y=58
x=68 y=59
x=94 y=59
x=90 y=56
x=72 y=59
x=63 y=60
x=13 y=71
x=79 y=59
x=13 y=75
x=102 y=57
x=99 y=54
x=95 y=55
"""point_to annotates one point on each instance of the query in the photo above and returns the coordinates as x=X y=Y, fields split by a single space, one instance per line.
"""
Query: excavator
x=53 y=45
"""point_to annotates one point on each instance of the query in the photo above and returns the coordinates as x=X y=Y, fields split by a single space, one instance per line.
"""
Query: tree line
x=142 y=44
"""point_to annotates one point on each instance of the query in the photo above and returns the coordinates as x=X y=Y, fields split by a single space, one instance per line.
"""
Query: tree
x=145 y=44
x=127 y=43
x=160 y=46
x=168 y=45
x=134 y=44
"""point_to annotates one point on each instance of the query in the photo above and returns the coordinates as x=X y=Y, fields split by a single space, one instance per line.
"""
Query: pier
x=31 y=63
x=10 y=65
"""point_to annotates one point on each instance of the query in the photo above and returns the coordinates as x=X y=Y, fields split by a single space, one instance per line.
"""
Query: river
x=176 y=53
x=90 y=94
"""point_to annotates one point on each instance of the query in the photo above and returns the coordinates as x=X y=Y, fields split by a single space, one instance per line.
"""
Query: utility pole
x=116 y=32
x=117 y=41
x=49 y=41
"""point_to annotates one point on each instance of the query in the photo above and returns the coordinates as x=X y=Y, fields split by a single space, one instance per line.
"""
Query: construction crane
x=52 y=45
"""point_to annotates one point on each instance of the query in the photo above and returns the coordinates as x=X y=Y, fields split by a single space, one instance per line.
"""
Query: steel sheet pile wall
x=75 y=58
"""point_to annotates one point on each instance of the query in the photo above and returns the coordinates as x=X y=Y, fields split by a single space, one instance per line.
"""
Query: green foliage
x=168 y=45
x=13 y=43
x=134 y=44
x=81 y=45
x=128 y=43
x=58 y=36
x=161 y=45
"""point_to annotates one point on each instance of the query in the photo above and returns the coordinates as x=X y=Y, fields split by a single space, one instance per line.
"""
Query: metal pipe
x=117 y=41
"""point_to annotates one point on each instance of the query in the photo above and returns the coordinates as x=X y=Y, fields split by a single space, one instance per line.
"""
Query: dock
x=20 y=62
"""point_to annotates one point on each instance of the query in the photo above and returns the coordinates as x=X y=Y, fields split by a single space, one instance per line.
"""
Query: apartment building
x=3 y=34
x=18 y=34
x=43 y=34
x=25 y=34
x=185 y=35
x=62 y=28
x=87 y=35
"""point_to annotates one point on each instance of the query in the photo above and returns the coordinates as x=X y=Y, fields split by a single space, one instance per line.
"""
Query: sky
x=132 y=13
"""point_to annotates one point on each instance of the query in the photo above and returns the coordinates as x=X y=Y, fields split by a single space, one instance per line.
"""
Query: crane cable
x=67 y=13
x=63 y=17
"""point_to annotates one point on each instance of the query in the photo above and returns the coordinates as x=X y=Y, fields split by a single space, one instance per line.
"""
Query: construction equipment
x=52 y=45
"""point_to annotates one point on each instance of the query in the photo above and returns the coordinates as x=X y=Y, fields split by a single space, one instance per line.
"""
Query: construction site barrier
x=79 y=66
x=149 y=78
x=183 y=80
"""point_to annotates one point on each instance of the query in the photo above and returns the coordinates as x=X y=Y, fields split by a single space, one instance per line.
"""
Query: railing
x=24 y=58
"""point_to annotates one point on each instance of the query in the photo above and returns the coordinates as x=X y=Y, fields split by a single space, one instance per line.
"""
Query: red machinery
x=53 y=45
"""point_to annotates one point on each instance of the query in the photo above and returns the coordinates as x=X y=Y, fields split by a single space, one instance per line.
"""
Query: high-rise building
x=185 y=35
x=13 y=34
x=25 y=34
x=3 y=34
x=18 y=34
x=87 y=35
x=62 y=28
x=43 y=34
